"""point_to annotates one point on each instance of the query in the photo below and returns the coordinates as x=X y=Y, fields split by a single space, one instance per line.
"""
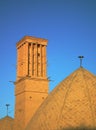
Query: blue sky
x=69 y=26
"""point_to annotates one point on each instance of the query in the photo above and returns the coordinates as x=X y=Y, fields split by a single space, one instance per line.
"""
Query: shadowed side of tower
x=31 y=86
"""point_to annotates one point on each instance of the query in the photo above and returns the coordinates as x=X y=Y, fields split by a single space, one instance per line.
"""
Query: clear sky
x=69 y=26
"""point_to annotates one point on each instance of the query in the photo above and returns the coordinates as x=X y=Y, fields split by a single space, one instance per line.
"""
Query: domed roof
x=72 y=103
x=6 y=123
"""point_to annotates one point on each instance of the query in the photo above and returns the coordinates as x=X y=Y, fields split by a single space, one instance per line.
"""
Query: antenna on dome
x=80 y=57
x=7 y=105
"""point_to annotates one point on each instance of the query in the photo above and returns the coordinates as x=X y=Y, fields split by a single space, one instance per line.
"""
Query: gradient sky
x=69 y=26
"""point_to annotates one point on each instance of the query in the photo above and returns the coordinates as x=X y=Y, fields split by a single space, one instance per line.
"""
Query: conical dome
x=72 y=103
x=6 y=123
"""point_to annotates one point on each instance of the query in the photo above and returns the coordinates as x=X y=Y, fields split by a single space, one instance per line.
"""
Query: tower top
x=32 y=39
x=31 y=57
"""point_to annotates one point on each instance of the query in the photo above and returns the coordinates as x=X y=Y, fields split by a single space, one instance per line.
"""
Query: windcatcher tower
x=31 y=86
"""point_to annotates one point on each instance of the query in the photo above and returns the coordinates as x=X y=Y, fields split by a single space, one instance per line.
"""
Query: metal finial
x=80 y=57
x=7 y=105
